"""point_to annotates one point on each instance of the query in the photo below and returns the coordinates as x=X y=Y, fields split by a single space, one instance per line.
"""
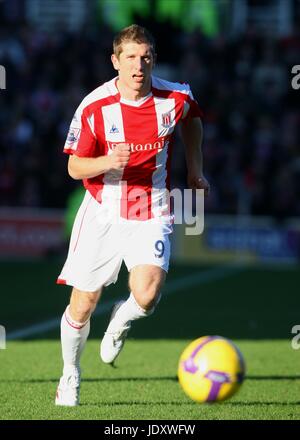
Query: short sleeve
x=191 y=107
x=81 y=139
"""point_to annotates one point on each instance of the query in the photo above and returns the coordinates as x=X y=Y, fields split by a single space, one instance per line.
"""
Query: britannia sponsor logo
x=148 y=146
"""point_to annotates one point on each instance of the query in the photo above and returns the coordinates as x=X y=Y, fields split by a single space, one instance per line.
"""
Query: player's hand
x=198 y=181
x=120 y=157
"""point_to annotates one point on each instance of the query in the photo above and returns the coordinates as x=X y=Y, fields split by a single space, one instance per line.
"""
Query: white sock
x=130 y=310
x=73 y=338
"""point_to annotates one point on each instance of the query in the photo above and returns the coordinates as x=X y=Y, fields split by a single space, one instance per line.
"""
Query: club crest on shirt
x=73 y=136
x=166 y=120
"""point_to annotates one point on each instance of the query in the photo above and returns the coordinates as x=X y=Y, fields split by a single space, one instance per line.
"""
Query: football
x=211 y=369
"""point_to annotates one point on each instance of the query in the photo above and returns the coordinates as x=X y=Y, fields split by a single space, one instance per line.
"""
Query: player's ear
x=115 y=61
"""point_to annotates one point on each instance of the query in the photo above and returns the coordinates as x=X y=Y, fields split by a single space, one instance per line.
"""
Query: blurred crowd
x=243 y=84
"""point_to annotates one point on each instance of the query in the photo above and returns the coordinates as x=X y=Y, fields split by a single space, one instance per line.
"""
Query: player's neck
x=131 y=94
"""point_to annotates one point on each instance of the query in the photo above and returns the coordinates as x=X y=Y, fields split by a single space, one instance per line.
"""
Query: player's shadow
x=148 y=404
x=273 y=377
x=191 y=403
x=97 y=379
x=149 y=379
x=255 y=403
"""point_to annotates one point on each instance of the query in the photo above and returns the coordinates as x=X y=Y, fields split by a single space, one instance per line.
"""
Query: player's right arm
x=88 y=167
x=81 y=145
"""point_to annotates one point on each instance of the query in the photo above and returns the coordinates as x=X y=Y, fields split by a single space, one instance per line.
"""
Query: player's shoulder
x=165 y=85
x=99 y=95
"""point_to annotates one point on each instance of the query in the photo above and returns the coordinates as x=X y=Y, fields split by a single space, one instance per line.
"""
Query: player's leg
x=148 y=265
x=145 y=282
x=75 y=327
x=93 y=261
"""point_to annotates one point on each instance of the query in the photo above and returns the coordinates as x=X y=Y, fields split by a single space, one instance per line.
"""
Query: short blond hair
x=133 y=33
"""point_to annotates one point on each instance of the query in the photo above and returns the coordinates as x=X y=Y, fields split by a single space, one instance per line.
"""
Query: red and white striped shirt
x=104 y=119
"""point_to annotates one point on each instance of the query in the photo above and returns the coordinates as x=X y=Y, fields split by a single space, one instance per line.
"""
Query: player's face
x=135 y=64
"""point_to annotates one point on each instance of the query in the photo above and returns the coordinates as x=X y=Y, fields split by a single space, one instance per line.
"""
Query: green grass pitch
x=256 y=307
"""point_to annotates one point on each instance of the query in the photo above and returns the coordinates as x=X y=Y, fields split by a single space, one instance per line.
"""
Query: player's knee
x=81 y=307
x=146 y=286
x=147 y=296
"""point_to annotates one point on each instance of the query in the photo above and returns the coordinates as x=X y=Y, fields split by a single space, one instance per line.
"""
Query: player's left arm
x=192 y=135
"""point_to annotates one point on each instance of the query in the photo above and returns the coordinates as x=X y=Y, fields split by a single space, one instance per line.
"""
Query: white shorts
x=98 y=247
